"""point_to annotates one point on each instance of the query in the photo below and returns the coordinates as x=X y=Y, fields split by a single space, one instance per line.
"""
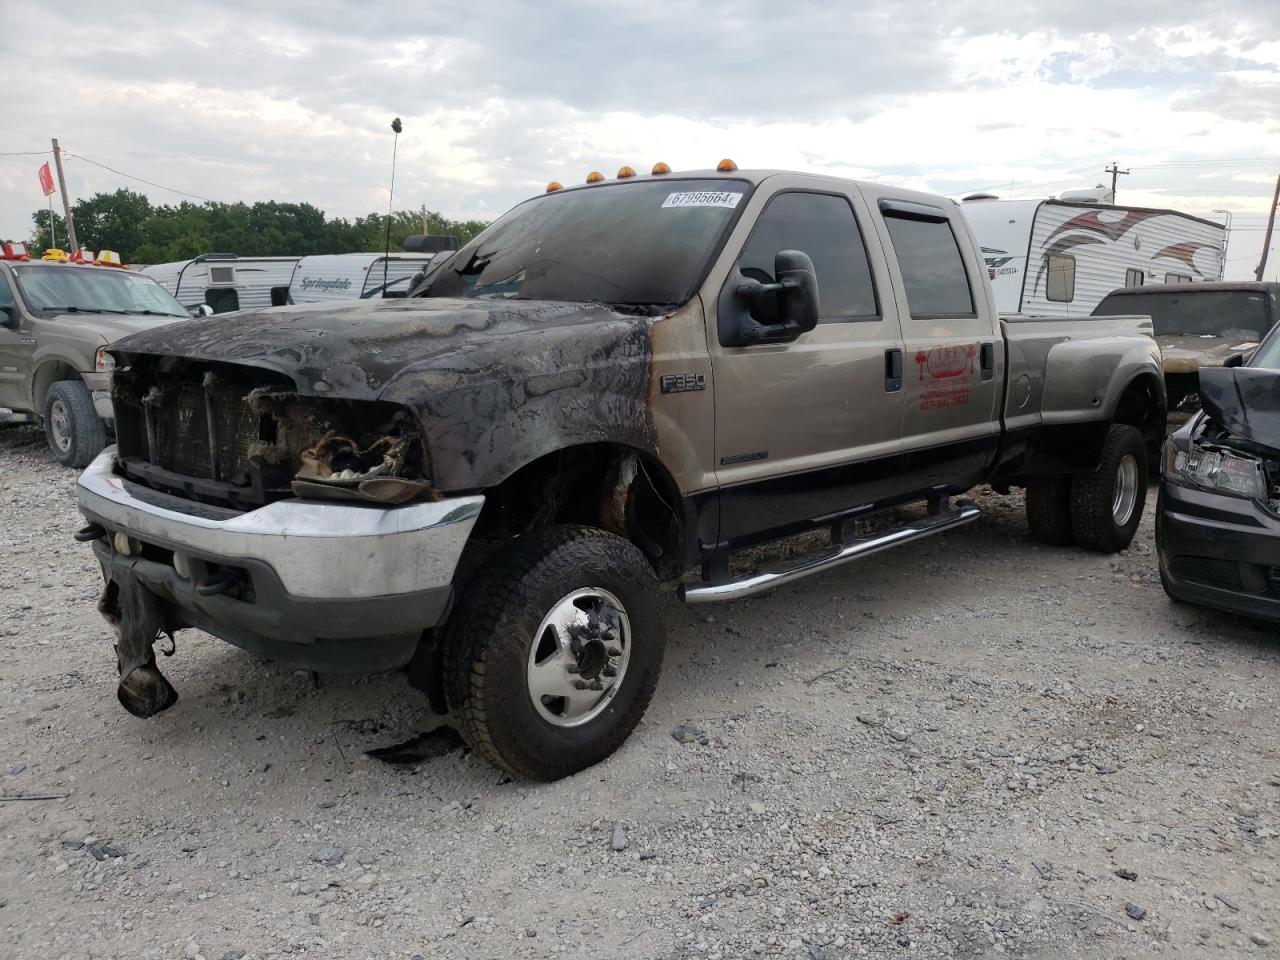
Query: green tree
x=105 y=221
x=126 y=222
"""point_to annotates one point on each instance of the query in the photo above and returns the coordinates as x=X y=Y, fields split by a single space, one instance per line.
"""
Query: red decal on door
x=945 y=371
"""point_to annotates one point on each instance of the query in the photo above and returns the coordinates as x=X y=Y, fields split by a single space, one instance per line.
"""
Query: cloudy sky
x=230 y=101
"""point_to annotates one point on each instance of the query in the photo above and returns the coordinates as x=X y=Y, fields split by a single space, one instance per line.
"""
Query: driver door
x=811 y=428
x=16 y=350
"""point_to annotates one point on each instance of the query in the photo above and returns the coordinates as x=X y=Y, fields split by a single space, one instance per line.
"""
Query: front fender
x=491 y=407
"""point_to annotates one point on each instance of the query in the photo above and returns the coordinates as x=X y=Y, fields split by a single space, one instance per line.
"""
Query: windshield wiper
x=641 y=309
x=81 y=310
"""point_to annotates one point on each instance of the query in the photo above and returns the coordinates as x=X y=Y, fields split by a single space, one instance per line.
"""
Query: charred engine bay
x=240 y=436
x=493 y=384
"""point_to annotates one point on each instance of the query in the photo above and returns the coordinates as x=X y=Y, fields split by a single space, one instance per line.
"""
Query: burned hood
x=1189 y=354
x=355 y=350
x=1243 y=400
x=495 y=384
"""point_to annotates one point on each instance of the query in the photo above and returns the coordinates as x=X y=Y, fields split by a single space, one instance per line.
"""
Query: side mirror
x=799 y=295
x=792 y=298
x=1239 y=359
x=200 y=310
x=9 y=316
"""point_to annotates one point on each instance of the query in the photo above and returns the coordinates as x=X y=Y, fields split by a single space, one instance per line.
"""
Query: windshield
x=1267 y=356
x=94 y=290
x=1237 y=315
x=640 y=244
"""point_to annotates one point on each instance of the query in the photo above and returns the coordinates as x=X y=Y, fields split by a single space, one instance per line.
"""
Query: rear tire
x=543 y=614
x=1049 y=509
x=75 y=432
x=1107 y=503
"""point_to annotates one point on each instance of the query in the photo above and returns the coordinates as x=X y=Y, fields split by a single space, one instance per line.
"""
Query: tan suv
x=56 y=318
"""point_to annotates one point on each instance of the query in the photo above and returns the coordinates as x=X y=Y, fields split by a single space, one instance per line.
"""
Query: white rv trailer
x=1060 y=257
x=355 y=276
x=226 y=282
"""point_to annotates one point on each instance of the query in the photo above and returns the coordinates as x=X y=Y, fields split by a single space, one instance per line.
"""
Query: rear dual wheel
x=554 y=651
x=1099 y=510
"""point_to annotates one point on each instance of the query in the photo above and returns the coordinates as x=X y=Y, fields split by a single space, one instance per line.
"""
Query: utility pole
x=66 y=201
x=1266 y=239
x=1115 y=172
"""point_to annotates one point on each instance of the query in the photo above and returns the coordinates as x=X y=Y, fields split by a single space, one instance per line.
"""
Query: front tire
x=554 y=651
x=75 y=432
x=1107 y=503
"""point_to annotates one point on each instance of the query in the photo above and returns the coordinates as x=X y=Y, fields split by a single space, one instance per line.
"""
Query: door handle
x=988 y=360
x=893 y=370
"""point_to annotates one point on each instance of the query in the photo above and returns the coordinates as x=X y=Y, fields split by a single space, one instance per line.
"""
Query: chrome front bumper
x=331 y=587
x=321 y=551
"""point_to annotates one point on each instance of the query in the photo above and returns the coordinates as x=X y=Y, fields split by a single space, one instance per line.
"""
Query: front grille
x=227 y=434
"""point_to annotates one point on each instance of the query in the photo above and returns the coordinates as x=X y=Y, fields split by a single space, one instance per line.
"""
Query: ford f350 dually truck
x=615 y=386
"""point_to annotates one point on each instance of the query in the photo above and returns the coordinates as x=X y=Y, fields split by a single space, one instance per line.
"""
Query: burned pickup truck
x=615 y=386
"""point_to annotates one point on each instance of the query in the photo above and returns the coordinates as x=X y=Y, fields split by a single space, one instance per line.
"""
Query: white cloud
x=293 y=102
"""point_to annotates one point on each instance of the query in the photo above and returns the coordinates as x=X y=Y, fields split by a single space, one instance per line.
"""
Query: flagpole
x=53 y=233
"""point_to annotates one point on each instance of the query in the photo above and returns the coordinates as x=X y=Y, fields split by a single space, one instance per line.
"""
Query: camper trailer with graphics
x=1060 y=257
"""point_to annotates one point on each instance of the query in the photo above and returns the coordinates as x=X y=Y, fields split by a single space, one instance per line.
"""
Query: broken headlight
x=1216 y=470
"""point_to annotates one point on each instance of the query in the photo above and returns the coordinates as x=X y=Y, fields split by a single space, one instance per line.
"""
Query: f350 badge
x=683 y=382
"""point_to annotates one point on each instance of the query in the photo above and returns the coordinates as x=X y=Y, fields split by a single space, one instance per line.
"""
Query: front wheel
x=75 y=432
x=554 y=651
x=1107 y=503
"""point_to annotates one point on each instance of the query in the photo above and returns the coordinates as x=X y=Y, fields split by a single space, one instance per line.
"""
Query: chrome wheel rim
x=1125 y=495
x=578 y=657
x=60 y=424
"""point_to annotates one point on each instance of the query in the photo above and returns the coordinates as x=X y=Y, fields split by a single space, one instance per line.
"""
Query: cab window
x=6 y=295
x=823 y=226
x=932 y=267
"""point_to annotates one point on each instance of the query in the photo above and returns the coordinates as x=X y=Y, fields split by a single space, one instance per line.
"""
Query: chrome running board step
x=840 y=553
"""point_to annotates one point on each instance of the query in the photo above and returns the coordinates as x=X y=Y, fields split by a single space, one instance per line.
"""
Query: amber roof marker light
x=595 y=176
x=554 y=185
x=726 y=166
x=660 y=168
x=625 y=172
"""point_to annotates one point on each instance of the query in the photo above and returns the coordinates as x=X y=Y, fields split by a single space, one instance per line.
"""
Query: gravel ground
x=973 y=746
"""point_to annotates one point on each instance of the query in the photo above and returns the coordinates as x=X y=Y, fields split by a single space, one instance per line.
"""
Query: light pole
x=1226 y=240
x=386 y=251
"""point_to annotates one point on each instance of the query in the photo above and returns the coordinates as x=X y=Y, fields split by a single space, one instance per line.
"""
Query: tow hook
x=89 y=533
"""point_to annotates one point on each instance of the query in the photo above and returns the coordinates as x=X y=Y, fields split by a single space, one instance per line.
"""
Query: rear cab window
x=929 y=257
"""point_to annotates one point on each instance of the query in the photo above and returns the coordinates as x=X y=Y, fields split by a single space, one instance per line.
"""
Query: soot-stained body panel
x=496 y=384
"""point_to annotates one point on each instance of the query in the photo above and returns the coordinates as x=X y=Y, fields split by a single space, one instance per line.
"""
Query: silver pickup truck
x=615 y=386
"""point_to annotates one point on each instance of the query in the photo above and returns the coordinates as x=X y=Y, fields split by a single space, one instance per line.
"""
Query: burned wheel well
x=613 y=487
x=49 y=373
x=1141 y=406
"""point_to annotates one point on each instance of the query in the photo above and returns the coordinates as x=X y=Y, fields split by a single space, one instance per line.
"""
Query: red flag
x=46 y=180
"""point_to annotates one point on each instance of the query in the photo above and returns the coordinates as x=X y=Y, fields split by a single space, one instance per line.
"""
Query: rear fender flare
x=1085 y=379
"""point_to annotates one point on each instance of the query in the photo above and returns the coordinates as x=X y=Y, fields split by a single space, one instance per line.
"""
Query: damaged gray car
x=1218 y=513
